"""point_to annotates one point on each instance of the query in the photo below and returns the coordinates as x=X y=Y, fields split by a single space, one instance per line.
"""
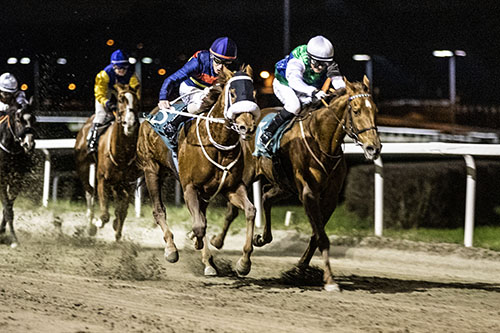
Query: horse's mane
x=334 y=95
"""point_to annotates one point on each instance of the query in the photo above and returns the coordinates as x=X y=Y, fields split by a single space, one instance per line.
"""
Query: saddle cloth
x=276 y=139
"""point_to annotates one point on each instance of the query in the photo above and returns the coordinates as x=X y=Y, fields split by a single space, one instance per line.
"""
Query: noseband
x=351 y=130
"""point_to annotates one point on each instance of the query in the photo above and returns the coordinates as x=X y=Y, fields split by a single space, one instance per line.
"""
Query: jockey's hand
x=164 y=104
x=110 y=106
x=319 y=94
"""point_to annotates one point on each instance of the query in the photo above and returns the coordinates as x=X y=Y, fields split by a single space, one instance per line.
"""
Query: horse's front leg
x=231 y=214
x=8 y=197
x=103 y=192
x=121 y=197
x=199 y=225
x=153 y=183
x=313 y=210
x=240 y=200
x=268 y=199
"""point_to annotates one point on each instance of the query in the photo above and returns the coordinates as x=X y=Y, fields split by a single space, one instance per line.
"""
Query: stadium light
x=25 y=60
x=62 y=61
x=368 y=65
x=12 y=61
x=452 y=68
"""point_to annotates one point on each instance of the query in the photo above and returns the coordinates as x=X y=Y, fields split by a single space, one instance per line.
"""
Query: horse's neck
x=219 y=132
x=119 y=143
x=327 y=125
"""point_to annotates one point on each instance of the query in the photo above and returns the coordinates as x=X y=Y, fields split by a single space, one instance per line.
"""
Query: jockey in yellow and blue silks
x=118 y=71
x=200 y=72
x=299 y=78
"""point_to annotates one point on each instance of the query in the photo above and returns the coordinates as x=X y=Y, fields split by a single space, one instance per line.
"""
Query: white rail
x=466 y=150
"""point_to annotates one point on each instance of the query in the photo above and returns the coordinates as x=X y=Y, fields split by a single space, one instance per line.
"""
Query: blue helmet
x=119 y=58
x=224 y=48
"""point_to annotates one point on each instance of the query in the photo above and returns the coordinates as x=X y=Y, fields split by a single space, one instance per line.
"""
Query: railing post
x=46 y=178
x=138 y=197
x=379 y=196
x=470 y=198
x=257 y=202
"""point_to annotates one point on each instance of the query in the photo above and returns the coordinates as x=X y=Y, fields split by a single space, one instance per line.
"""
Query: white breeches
x=291 y=99
x=100 y=113
x=194 y=99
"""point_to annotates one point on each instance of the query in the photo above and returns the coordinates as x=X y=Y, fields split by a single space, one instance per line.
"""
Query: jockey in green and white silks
x=299 y=78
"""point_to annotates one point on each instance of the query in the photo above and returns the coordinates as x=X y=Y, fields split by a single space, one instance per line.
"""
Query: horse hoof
x=332 y=287
x=243 y=269
x=171 y=256
x=99 y=223
x=259 y=241
x=215 y=241
x=92 y=230
x=14 y=245
x=198 y=244
x=210 y=271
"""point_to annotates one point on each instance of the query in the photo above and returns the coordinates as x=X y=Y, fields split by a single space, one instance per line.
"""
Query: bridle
x=348 y=124
x=17 y=137
x=119 y=115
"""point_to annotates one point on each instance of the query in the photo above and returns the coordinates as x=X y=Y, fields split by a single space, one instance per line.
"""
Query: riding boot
x=93 y=138
x=277 y=121
x=170 y=128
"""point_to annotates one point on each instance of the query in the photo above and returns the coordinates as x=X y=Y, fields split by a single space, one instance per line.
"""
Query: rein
x=17 y=138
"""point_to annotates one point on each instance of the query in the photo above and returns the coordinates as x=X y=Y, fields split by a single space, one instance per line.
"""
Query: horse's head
x=127 y=108
x=21 y=126
x=240 y=108
x=360 y=118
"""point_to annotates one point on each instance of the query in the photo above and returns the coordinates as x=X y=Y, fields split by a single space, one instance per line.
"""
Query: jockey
x=118 y=71
x=198 y=73
x=299 y=78
x=10 y=93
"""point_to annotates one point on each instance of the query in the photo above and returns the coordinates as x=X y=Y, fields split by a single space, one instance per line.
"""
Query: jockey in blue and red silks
x=118 y=71
x=199 y=73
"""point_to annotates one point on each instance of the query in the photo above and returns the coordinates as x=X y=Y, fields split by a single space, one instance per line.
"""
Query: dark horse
x=116 y=169
x=210 y=162
x=312 y=165
x=16 y=143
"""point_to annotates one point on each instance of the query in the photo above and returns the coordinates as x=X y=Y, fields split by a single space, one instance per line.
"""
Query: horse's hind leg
x=231 y=214
x=8 y=213
x=153 y=184
x=270 y=196
x=240 y=199
x=199 y=220
x=89 y=197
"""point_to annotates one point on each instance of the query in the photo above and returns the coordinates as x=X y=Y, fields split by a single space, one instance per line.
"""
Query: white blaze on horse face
x=368 y=104
x=129 y=120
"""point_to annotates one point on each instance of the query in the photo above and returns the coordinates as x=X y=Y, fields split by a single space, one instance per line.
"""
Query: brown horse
x=116 y=170
x=312 y=165
x=210 y=162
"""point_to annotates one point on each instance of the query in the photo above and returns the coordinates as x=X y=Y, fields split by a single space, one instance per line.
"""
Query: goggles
x=320 y=64
x=220 y=61
x=121 y=66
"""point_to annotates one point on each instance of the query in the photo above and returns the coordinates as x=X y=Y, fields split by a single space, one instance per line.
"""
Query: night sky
x=399 y=35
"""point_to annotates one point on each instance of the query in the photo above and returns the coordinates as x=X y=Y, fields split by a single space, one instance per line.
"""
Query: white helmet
x=8 y=83
x=319 y=48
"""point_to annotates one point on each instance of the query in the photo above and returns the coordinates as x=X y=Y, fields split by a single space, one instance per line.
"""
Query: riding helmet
x=119 y=58
x=224 y=48
x=8 y=83
x=319 y=48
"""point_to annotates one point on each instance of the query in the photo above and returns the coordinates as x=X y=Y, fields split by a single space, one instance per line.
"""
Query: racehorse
x=210 y=162
x=16 y=143
x=116 y=169
x=310 y=164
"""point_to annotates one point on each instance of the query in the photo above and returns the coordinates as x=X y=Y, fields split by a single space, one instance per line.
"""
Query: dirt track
x=62 y=281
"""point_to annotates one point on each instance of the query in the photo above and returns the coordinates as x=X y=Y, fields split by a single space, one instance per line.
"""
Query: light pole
x=452 y=68
x=368 y=65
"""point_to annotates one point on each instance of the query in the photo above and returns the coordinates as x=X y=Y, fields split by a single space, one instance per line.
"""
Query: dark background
x=400 y=36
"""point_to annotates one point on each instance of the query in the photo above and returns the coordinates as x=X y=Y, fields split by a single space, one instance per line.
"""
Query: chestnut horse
x=116 y=169
x=16 y=143
x=310 y=164
x=210 y=162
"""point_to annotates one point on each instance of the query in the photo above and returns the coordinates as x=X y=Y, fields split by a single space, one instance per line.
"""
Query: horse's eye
x=356 y=111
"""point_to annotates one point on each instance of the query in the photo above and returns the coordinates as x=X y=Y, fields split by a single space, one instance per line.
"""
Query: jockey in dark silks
x=10 y=94
x=195 y=78
x=299 y=78
x=118 y=71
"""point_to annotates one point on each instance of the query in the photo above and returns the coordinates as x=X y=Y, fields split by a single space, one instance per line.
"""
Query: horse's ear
x=366 y=83
x=347 y=83
x=30 y=102
x=249 y=70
